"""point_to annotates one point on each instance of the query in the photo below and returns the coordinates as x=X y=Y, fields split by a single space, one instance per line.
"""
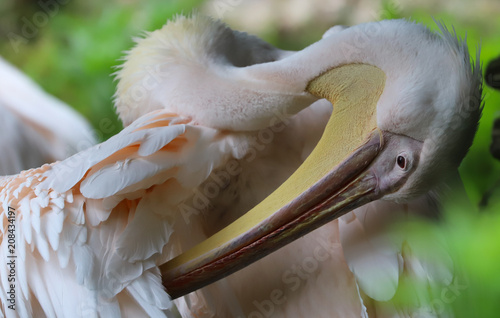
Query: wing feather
x=371 y=251
x=146 y=234
x=67 y=173
x=104 y=216
x=146 y=289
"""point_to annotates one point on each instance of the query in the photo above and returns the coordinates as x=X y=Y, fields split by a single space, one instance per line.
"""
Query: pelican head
x=406 y=106
x=430 y=108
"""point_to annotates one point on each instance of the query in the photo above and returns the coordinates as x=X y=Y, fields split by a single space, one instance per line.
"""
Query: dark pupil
x=401 y=162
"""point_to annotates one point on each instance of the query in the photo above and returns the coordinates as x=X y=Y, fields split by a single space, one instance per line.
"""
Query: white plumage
x=224 y=123
x=99 y=220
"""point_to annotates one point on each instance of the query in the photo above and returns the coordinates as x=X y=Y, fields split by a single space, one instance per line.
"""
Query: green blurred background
x=72 y=47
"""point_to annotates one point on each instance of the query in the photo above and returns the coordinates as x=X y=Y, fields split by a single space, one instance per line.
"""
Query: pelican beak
x=335 y=179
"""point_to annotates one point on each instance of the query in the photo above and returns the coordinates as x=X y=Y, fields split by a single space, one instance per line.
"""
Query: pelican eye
x=401 y=161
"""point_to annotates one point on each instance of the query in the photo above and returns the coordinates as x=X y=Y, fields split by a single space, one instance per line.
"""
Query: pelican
x=218 y=123
x=36 y=128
